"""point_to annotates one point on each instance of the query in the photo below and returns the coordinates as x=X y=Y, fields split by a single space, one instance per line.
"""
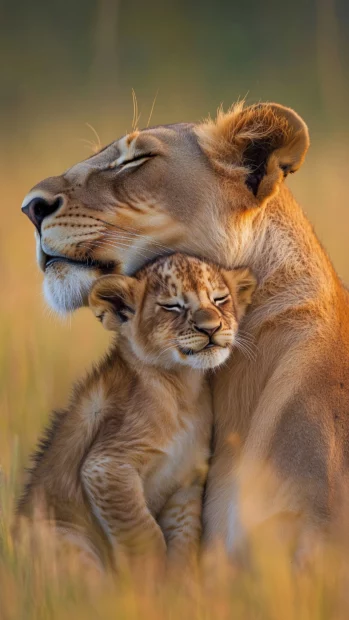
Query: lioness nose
x=39 y=207
x=207 y=321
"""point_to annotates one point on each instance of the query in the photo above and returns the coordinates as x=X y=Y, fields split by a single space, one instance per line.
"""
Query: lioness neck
x=292 y=269
x=285 y=239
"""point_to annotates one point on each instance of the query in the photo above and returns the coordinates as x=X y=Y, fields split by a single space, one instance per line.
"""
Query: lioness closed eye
x=129 y=456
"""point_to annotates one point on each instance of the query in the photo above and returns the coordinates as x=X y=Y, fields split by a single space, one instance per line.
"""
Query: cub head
x=177 y=310
x=160 y=190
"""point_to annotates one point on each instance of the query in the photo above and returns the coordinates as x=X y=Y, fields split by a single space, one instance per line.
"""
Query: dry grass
x=39 y=359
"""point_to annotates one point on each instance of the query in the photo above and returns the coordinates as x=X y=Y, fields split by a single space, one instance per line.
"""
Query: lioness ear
x=242 y=283
x=268 y=140
x=113 y=300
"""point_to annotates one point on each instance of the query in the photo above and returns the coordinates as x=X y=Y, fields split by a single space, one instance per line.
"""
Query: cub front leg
x=180 y=521
x=115 y=492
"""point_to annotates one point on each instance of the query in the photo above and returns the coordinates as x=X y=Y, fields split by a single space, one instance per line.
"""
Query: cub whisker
x=250 y=355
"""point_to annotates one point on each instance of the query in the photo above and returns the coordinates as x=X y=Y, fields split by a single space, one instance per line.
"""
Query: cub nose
x=208 y=330
x=39 y=207
x=207 y=321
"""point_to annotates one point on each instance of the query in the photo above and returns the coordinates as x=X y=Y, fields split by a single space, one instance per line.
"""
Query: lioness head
x=176 y=310
x=185 y=187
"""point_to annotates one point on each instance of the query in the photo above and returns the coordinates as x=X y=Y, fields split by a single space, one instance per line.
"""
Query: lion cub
x=129 y=456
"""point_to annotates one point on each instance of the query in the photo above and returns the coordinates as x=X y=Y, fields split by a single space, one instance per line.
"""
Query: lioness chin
x=216 y=189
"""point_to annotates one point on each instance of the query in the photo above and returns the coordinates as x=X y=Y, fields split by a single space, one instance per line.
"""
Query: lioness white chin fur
x=216 y=189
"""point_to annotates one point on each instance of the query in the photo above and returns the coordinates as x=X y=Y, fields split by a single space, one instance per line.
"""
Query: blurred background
x=67 y=65
x=67 y=70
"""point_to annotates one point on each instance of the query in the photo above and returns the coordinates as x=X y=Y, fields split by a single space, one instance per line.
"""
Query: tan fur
x=217 y=189
x=125 y=464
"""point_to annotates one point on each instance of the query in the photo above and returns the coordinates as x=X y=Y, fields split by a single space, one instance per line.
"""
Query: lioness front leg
x=180 y=521
x=115 y=492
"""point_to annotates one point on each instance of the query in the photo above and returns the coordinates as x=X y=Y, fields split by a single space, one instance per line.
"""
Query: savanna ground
x=41 y=355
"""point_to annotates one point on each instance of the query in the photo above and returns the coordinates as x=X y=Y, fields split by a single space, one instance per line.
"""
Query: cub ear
x=268 y=140
x=242 y=283
x=113 y=300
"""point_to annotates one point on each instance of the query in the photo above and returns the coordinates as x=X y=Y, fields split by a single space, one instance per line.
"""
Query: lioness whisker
x=140 y=236
x=130 y=231
x=102 y=243
x=115 y=247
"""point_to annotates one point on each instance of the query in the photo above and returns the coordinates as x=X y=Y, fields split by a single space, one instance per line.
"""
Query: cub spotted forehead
x=178 y=274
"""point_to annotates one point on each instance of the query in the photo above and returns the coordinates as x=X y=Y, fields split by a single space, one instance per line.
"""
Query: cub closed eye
x=222 y=300
x=172 y=307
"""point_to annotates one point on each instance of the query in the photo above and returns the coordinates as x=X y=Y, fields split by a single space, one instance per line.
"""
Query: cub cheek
x=163 y=339
x=147 y=336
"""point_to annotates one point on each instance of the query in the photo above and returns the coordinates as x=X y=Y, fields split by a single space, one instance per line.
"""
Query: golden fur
x=124 y=466
x=216 y=189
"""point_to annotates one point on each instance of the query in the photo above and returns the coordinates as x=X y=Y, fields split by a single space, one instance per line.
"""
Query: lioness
x=216 y=189
x=131 y=450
